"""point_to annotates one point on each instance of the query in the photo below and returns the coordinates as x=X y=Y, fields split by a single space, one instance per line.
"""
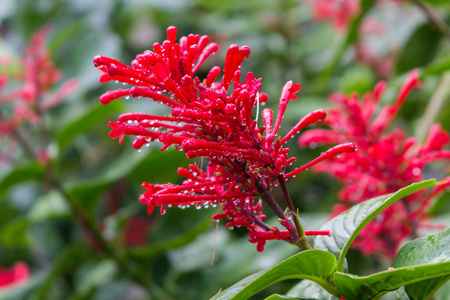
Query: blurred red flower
x=384 y=163
x=19 y=273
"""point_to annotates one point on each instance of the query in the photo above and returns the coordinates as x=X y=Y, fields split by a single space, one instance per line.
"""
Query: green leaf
x=438 y=67
x=152 y=166
x=420 y=49
x=86 y=120
x=73 y=256
x=95 y=275
x=21 y=174
x=376 y=285
x=49 y=206
x=88 y=190
x=14 y=234
x=278 y=297
x=346 y=226
x=426 y=250
x=442 y=293
x=310 y=289
x=315 y=265
x=398 y=294
x=148 y=253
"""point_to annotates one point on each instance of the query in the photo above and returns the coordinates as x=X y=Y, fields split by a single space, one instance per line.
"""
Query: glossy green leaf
x=420 y=49
x=86 y=120
x=443 y=292
x=315 y=265
x=309 y=289
x=376 y=285
x=346 y=226
x=21 y=174
x=426 y=250
x=398 y=294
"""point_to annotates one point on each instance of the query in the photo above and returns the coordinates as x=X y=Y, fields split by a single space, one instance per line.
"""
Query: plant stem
x=433 y=18
x=433 y=108
x=291 y=208
x=302 y=243
x=351 y=37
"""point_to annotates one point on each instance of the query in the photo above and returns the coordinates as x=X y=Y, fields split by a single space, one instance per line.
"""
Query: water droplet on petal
x=287 y=214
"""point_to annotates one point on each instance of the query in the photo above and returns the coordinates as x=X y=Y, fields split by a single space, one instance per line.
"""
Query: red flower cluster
x=210 y=119
x=17 y=274
x=36 y=77
x=384 y=163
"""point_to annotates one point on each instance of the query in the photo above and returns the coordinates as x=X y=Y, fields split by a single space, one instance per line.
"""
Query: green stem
x=434 y=107
x=433 y=18
x=351 y=37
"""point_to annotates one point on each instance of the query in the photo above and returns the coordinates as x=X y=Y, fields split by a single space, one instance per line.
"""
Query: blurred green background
x=176 y=250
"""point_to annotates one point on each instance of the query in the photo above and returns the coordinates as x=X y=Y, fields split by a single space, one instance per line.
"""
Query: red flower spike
x=212 y=119
x=384 y=163
x=31 y=92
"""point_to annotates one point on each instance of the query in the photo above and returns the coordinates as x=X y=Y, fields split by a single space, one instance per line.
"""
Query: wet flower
x=19 y=273
x=384 y=163
x=213 y=119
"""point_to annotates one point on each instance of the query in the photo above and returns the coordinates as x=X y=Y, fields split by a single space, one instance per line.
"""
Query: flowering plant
x=83 y=216
x=212 y=122
x=384 y=163
x=245 y=161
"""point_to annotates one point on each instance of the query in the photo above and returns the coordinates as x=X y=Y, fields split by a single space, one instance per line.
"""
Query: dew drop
x=287 y=214
x=416 y=171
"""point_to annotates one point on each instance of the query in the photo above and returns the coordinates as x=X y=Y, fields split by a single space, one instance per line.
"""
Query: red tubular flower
x=19 y=273
x=211 y=119
x=384 y=163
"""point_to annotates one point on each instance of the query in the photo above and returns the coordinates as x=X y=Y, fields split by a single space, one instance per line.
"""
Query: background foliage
x=37 y=225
